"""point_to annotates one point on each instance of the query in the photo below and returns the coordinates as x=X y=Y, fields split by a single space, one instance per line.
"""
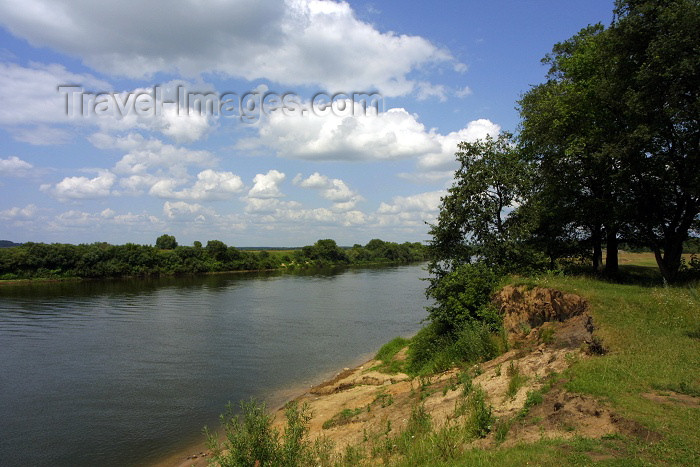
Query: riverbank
x=615 y=381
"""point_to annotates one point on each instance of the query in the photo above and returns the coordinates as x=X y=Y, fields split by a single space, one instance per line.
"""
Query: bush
x=433 y=350
x=251 y=440
x=464 y=295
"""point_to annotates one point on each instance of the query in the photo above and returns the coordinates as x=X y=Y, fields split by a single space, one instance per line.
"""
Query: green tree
x=217 y=250
x=166 y=242
x=569 y=125
x=655 y=47
x=475 y=220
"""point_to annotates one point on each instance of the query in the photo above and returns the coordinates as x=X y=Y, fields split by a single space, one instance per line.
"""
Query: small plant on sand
x=251 y=440
x=343 y=417
x=480 y=419
x=516 y=381
x=501 y=429
x=547 y=335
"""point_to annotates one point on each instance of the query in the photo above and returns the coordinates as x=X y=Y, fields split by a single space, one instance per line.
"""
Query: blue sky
x=446 y=72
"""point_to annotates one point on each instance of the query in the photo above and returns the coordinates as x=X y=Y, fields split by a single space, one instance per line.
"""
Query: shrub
x=464 y=295
x=251 y=440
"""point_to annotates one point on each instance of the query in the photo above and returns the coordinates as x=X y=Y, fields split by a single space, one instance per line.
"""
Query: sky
x=258 y=123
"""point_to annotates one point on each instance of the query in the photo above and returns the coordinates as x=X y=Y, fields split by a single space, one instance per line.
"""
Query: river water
x=127 y=371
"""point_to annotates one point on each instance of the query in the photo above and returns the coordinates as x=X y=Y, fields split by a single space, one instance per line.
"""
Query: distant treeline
x=102 y=260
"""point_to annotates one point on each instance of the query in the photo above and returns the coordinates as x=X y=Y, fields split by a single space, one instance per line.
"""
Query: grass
x=387 y=353
x=343 y=417
x=516 y=380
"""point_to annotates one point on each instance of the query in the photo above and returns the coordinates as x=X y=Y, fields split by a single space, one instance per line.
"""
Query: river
x=124 y=372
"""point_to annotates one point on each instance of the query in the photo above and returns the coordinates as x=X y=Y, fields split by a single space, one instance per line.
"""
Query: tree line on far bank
x=102 y=260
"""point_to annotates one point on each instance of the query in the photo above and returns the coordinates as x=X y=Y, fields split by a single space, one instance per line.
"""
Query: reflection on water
x=118 y=372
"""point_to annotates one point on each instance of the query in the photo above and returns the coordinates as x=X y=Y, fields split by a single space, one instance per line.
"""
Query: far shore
x=53 y=280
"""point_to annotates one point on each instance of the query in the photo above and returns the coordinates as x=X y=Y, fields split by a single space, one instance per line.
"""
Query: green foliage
x=481 y=418
x=546 y=335
x=464 y=295
x=475 y=218
x=166 y=242
x=434 y=350
x=250 y=437
x=343 y=417
x=102 y=260
x=533 y=398
x=613 y=136
x=387 y=353
x=251 y=440
x=391 y=348
x=516 y=380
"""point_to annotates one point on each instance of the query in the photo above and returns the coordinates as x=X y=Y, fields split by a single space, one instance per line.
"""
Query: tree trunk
x=670 y=262
x=611 y=260
x=596 y=238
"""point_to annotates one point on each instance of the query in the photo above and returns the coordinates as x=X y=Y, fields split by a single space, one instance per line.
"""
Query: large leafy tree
x=655 y=49
x=614 y=133
x=475 y=222
x=569 y=123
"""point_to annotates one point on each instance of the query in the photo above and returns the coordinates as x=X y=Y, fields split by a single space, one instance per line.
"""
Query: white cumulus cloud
x=292 y=42
x=83 y=187
x=267 y=185
x=13 y=166
x=210 y=185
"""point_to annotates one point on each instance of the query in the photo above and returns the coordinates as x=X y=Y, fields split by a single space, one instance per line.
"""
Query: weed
x=497 y=372
x=533 y=398
x=547 y=335
x=465 y=380
x=446 y=442
x=480 y=419
x=343 y=417
x=384 y=399
x=524 y=328
x=516 y=381
x=501 y=429
x=250 y=438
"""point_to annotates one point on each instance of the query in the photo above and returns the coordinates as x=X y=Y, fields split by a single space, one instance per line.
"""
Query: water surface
x=122 y=372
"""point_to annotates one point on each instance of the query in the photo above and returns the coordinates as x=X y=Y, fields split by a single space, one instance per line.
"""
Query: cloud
x=332 y=189
x=180 y=210
x=41 y=135
x=32 y=101
x=82 y=187
x=410 y=211
x=464 y=92
x=29 y=95
x=13 y=166
x=267 y=185
x=293 y=42
x=15 y=213
x=151 y=154
x=210 y=185
x=423 y=202
x=394 y=134
x=391 y=135
x=75 y=219
x=182 y=126
x=268 y=205
x=427 y=91
x=444 y=159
